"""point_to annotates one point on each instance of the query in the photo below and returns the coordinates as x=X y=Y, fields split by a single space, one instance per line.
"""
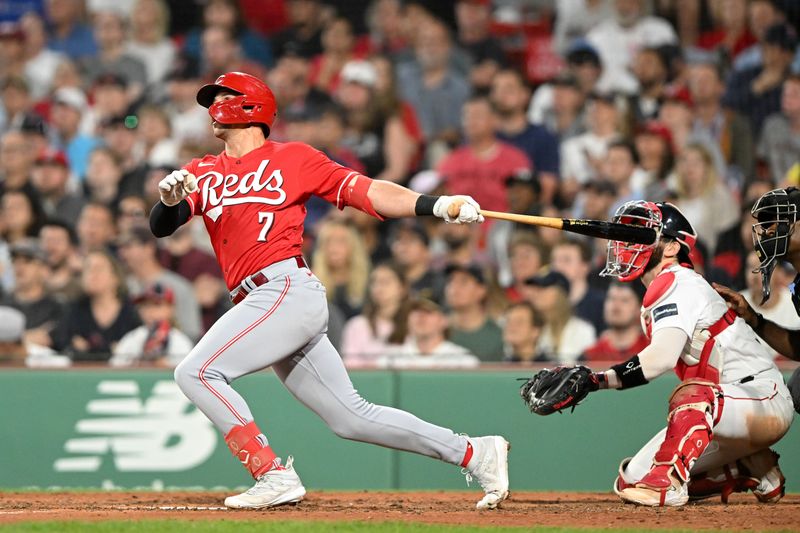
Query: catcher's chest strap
x=702 y=369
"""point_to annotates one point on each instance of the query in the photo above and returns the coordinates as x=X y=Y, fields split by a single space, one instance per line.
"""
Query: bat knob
x=455 y=208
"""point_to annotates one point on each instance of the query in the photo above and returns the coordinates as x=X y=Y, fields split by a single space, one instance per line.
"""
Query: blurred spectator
x=458 y=244
x=756 y=92
x=656 y=157
x=410 y=251
x=573 y=259
x=40 y=61
x=93 y=325
x=564 y=336
x=466 y=294
x=380 y=141
x=342 y=264
x=762 y=14
x=329 y=133
x=67 y=74
x=222 y=53
x=732 y=36
x=293 y=92
x=522 y=191
x=574 y=19
x=473 y=21
x=383 y=321
x=21 y=215
x=550 y=107
x=651 y=69
x=111 y=97
x=304 y=36
x=156 y=341
x=780 y=141
x=581 y=155
x=338 y=49
x=120 y=136
x=509 y=97
x=132 y=211
x=35 y=131
x=621 y=168
x=59 y=243
x=155 y=135
x=481 y=166
x=702 y=197
x=14 y=349
x=50 y=177
x=521 y=330
x=624 y=337
x=729 y=130
x=779 y=308
x=385 y=23
x=68 y=111
x=12 y=51
x=96 y=227
x=42 y=311
x=68 y=32
x=596 y=200
x=149 y=42
x=103 y=177
x=427 y=345
x=617 y=40
x=137 y=249
x=228 y=14
x=430 y=83
x=16 y=101
x=189 y=121
x=16 y=161
x=110 y=32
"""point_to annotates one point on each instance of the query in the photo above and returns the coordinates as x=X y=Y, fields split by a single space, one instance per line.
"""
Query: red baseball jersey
x=254 y=206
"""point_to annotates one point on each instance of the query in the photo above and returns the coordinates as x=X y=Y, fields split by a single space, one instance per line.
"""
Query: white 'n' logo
x=161 y=433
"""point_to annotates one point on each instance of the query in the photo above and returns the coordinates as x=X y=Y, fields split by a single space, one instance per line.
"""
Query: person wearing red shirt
x=251 y=198
x=624 y=337
x=481 y=166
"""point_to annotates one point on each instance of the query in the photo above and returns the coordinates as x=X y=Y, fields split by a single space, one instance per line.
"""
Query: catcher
x=731 y=404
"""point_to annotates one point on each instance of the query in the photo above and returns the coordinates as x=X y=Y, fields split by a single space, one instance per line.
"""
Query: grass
x=237 y=526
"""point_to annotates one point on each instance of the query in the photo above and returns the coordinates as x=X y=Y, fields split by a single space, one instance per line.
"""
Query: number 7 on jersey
x=266 y=218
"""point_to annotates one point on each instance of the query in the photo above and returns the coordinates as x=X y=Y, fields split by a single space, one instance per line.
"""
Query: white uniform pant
x=282 y=324
x=755 y=415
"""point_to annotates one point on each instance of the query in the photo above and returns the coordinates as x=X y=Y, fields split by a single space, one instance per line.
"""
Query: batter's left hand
x=458 y=209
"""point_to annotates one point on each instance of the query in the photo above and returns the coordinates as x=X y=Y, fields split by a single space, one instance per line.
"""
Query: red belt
x=258 y=279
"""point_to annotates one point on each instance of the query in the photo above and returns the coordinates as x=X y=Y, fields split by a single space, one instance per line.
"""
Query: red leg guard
x=245 y=446
x=688 y=433
x=723 y=482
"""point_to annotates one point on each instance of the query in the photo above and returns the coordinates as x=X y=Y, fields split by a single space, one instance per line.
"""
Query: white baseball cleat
x=489 y=465
x=279 y=486
x=671 y=493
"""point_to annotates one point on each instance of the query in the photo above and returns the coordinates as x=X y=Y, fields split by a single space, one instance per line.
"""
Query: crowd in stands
x=555 y=108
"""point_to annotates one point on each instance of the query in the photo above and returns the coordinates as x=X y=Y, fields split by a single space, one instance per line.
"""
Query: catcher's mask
x=627 y=261
x=776 y=215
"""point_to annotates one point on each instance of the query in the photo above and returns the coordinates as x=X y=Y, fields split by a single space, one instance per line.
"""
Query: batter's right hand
x=736 y=302
x=176 y=186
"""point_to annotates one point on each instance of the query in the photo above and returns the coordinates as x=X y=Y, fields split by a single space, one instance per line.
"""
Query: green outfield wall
x=113 y=429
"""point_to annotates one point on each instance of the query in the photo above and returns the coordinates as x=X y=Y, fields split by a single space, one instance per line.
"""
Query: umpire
x=774 y=238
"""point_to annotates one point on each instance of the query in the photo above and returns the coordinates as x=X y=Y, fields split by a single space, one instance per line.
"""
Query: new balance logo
x=160 y=433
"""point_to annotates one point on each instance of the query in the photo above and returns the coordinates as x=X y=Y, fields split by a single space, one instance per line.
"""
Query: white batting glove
x=176 y=186
x=468 y=209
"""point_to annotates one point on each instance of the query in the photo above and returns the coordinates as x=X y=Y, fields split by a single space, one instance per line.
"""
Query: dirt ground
x=523 y=509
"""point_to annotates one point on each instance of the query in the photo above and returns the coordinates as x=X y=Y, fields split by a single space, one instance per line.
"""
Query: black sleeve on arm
x=165 y=220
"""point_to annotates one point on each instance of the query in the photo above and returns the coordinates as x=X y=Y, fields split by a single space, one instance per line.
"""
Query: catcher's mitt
x=553 y=390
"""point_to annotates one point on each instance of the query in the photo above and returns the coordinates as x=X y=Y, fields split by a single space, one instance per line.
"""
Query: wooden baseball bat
x=614 y=231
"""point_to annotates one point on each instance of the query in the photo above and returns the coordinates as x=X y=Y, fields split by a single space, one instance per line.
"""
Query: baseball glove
x=562 y=387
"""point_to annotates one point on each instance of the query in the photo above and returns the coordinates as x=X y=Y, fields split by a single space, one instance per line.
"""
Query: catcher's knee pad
x=689 y=424
x=758 y=472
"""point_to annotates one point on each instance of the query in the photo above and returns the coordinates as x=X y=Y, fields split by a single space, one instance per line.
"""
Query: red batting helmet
x=254 y=103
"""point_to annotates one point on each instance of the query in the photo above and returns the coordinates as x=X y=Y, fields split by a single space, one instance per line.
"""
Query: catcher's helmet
x=628 y=261
x=254 y=103
x=776 y=214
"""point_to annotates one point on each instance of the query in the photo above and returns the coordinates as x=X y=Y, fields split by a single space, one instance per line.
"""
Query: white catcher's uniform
x=753 y=407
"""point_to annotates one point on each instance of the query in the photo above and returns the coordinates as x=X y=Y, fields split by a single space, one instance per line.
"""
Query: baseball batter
x=251 y=198
x=731 y=404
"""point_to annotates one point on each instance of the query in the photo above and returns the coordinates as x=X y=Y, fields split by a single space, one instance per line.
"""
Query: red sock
x=244 y=445
x=467 y=455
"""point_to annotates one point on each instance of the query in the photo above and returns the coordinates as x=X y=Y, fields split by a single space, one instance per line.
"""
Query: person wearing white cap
x=14 y=350
x=70 y=108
